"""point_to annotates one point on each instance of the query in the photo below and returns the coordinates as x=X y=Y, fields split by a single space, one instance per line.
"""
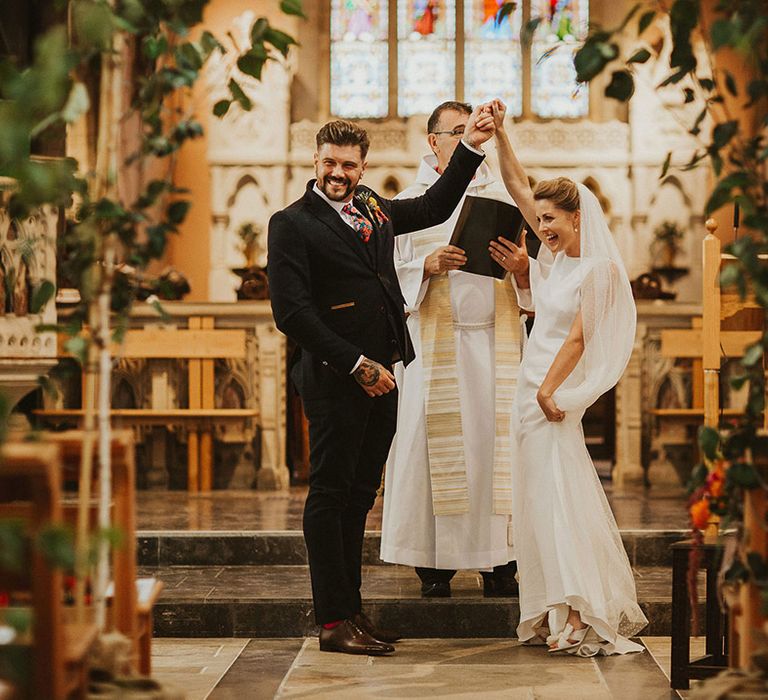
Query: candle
x=735 y=215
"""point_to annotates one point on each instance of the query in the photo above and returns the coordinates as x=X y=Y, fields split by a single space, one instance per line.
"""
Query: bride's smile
x=559 y=228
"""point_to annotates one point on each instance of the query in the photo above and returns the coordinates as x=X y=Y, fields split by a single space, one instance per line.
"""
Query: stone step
x=275 y=601
x=286 y=547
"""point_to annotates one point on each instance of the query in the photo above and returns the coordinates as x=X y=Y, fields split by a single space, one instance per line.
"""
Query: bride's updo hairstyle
x=561 y=191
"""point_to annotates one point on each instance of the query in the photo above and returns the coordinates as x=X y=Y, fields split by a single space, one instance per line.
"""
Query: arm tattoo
x=368 y=373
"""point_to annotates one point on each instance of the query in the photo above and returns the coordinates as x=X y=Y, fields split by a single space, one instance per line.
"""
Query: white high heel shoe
x=569 y=639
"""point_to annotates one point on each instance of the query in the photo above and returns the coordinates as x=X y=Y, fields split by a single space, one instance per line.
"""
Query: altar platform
x=234 y=564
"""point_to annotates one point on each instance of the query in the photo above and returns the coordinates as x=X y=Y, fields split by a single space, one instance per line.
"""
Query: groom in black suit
x=335 y=293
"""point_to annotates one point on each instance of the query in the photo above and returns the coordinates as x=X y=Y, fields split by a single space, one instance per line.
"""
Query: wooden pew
x=130 y=615
x=200 y=344
x=30 y=474
x=714 y=338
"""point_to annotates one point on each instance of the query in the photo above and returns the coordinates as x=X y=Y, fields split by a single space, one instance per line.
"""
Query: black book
x=480 y=221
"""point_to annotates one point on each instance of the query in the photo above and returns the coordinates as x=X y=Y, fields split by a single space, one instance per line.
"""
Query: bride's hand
x=511 y=257
x=548 y=405
x=499 y=111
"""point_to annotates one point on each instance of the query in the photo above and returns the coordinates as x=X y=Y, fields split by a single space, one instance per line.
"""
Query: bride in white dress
x=577 y=591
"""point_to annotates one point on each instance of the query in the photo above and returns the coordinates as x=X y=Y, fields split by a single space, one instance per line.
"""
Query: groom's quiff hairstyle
x=434 y=119
x=343 y=133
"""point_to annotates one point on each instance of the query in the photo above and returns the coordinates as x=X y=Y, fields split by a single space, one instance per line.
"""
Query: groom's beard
x=334 y=193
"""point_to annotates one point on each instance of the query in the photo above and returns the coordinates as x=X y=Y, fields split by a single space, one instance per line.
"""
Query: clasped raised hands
x=480 y=125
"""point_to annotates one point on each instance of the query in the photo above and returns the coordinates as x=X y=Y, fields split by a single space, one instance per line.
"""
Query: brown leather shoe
x=348 y=638
x=383 y=635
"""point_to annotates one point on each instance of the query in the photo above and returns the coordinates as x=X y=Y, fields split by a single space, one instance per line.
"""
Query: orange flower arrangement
x=707 y=497
x=700 y=513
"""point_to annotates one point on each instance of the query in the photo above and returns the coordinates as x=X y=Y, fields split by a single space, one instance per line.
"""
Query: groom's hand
x=479 y=126
x=375 y=379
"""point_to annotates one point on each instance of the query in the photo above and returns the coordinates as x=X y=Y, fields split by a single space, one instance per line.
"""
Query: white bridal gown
x=568 y=546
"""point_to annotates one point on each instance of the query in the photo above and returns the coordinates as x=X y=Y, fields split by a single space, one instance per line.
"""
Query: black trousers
x=349 y=440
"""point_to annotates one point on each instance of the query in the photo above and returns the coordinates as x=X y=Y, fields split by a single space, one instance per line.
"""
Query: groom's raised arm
x=439 y=201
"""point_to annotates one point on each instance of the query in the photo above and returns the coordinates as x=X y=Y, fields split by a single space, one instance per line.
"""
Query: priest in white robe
x=447 y=485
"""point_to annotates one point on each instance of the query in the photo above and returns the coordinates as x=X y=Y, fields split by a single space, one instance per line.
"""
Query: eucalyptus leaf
x=177 y=211
x=258 y=30
x=640 y=56
x=709 y=441
x=719 y=197
x=294 y=7
x=724 y=132
x=742 y=475
x=645 y=21
x=621 y=87
x=721 y=33
x=252 y=65
x=221 y=107
x=237 y=92
x=280 y=40
x=753 y=355
x=42 y=294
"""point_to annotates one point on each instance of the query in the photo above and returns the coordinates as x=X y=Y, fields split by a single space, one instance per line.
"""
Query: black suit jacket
x=339 y=298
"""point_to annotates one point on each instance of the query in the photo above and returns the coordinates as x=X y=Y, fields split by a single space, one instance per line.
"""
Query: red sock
x=332 y=625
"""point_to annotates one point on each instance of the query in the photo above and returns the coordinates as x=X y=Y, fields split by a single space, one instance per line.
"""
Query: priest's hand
x=443 y=259
x=480 y=126
x=375 y=378
x=511 y=257
x=548 y=405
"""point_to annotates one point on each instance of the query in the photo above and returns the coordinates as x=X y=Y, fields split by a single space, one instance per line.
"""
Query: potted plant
x=666 y=243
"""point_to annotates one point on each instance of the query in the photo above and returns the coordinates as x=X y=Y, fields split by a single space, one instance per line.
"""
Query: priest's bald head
x=445 y=128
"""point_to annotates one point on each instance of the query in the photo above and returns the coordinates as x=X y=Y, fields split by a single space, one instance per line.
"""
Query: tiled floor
x=634 y=508
x=421 y=668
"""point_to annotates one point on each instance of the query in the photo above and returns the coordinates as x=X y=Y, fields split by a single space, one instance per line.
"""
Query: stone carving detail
x=27 y=257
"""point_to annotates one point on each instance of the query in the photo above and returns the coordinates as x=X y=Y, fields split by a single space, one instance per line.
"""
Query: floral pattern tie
x=359 y=222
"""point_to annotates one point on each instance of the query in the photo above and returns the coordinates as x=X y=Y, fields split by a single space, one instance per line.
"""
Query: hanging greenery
x=122 y=67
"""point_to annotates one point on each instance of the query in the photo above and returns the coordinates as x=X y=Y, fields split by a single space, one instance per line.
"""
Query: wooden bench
x=200 y=344
x=709 y=340
x=130 y=615
x=727 y=330
x=30 y=474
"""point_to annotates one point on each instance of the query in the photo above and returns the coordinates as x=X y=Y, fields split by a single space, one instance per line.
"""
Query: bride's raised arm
x=512 y=173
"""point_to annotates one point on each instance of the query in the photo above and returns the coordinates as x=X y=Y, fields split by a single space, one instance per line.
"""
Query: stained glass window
x=426 y=56
x=554 y=90
x=493 y=65
x=426 y=46
x=359 y=58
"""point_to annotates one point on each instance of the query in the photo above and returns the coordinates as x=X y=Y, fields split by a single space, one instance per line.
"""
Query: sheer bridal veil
x=607 y=308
